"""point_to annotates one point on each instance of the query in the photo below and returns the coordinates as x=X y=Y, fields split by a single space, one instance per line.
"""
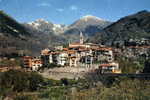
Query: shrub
x=18 y=81
x=64 y=81
x=26 y=97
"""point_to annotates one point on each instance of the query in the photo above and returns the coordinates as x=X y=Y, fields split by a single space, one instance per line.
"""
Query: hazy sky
x=67 y=11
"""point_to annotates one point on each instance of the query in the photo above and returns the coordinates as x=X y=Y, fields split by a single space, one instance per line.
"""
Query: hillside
x=134 y=26
x=88 y=25
x=16 y=39
x=9 y=26
x=30 y=38
x=47 y=32
x=61 y=34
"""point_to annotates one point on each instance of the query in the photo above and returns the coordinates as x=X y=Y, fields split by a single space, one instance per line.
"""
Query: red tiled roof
x=71 y=51
x=75 y=43
x=27 y=57
x=107 y=65
x=65 y=49
x=37 y=61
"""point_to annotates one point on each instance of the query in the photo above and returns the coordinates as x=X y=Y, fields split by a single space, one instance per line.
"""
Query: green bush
x=26 y=97
x=130 y=65
x=19 y=81
x=64 y=81
x=23 y=98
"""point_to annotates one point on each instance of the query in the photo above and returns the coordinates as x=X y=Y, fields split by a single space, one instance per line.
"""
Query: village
x=78 y=57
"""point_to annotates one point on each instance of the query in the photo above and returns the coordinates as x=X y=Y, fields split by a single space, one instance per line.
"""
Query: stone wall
x=65 y=72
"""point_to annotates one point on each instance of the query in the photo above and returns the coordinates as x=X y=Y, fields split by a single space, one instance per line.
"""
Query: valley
x=86 y=60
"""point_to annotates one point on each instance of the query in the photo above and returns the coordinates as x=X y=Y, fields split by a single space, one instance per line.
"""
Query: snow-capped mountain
x=59 y=29
x=47 y=27
x=36 y=24
x=90 y=20
x=87 y=24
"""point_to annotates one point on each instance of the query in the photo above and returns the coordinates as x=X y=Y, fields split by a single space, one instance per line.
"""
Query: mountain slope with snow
x=87 y=24
x=46 y=27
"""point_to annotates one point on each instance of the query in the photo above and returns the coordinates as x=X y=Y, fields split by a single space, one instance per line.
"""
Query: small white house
x=36 y=64
x=110 y=68
x=62 y=58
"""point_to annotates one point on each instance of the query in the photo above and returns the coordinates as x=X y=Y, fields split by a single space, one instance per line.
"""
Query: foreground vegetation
x=131 y=65
x=20 y=85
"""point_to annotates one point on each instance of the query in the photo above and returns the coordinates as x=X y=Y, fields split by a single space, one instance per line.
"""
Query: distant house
x=72 y=58
x=36 y=64
x=58 y=48
x=63 y=58
x=27 y=61
x=79 y=54
x=32 y=63
x=45 y=51
x=45 y=56
x=109 y=68
x=59 y=58
x=104 y=54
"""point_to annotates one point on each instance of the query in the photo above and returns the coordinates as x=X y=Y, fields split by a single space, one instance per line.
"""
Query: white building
x=36 y=64
x=62 y=59
x=109 y=68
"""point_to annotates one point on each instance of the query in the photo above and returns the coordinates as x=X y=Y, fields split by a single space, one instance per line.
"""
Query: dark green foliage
x=55 y=93
x=26 y=96
x=122 y=89
x=18 y=81
x=147 y=66
x=127 y=89
x=23 y=97
x=14 y=80
x=64 y=81
x=35 y=81
x=130 y=65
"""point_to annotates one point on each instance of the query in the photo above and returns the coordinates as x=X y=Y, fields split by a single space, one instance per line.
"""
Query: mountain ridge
x=132 y=26
x=39 y=34
x=89 y=25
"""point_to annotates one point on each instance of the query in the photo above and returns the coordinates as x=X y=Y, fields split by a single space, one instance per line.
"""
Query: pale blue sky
x=67 y=11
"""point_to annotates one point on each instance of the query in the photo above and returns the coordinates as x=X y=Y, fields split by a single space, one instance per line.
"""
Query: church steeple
x=81 y=38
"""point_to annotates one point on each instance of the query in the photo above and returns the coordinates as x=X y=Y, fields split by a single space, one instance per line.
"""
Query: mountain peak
x=87 y=17
x=87 y=24
x=39 y=22
x=42 y=20
x=143 y=11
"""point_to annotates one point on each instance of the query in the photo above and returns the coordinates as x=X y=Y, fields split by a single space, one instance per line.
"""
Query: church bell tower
x=81 y=38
